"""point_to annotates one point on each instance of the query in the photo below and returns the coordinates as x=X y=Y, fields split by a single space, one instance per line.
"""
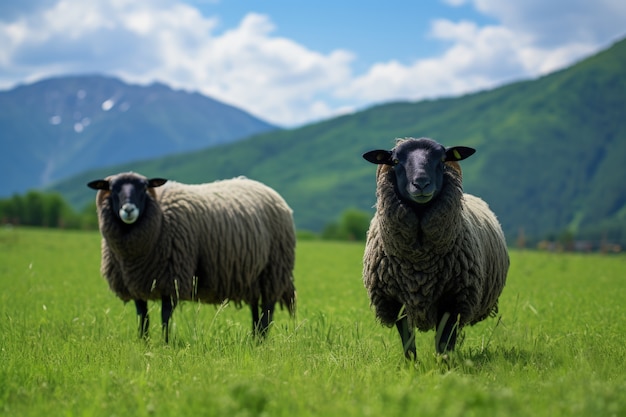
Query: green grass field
x=68 y=346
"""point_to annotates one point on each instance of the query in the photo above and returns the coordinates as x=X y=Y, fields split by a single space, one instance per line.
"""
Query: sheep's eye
x=395 y=161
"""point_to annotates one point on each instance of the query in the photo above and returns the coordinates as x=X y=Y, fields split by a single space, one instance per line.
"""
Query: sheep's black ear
x=156 y=182
x=458 y=153
x=379 y=156
x=98 y=185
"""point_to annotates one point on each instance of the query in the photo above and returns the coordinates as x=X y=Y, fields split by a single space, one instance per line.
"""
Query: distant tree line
x=45 y=210
x=41 y=209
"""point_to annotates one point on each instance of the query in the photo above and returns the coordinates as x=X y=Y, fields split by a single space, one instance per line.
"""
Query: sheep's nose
x=421 y=183
x=128 y=213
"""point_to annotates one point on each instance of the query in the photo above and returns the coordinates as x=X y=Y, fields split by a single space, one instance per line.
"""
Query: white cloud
x=524 y=45
x=269 y=75
x=477 y=58
x=554 y=23
x=272 y=77
x=279 y=79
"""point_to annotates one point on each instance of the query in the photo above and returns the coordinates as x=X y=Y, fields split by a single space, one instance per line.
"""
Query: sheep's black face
x=128 y=194
x=419 y=170
x=129 y=197
x=419 y=166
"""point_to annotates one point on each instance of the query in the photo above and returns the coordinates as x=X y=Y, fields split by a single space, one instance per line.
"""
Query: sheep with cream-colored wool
x=435 y=258
x=230 y=240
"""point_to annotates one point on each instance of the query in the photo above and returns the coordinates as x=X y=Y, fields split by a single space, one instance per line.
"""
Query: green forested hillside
x=549 y=153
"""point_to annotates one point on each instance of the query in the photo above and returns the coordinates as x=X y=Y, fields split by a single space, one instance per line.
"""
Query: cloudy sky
x=294 y=62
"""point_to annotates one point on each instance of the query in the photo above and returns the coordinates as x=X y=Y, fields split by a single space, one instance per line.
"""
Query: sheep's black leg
x=447 y=327
x=167 y=308
x=144 y=320
x=260 y=324
x=267 y=315
x=390 y=311
x=254 y=308
x=408 y=338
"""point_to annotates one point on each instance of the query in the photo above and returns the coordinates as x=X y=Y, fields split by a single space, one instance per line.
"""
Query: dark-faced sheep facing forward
x=435 y=258
x=227 y=240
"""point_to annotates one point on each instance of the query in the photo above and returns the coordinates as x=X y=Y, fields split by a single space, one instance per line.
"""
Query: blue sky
x=295 y=62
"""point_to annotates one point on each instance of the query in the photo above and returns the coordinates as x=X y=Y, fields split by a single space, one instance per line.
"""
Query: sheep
x=435 y=258
x=230 y=240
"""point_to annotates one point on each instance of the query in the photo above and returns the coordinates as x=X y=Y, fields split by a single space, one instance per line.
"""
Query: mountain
x=62 y=126
x=549 y=153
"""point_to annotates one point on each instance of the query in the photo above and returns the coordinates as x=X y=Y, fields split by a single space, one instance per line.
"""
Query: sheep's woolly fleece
x=455 y=248
x=227 y=240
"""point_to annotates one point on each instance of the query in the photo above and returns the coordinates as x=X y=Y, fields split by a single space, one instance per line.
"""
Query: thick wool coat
x=451 y=256
x=227 y=240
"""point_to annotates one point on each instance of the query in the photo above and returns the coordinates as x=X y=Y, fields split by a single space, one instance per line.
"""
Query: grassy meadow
x=68 y=346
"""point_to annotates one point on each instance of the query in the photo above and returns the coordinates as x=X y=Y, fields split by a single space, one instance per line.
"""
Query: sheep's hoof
x=445 y=339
